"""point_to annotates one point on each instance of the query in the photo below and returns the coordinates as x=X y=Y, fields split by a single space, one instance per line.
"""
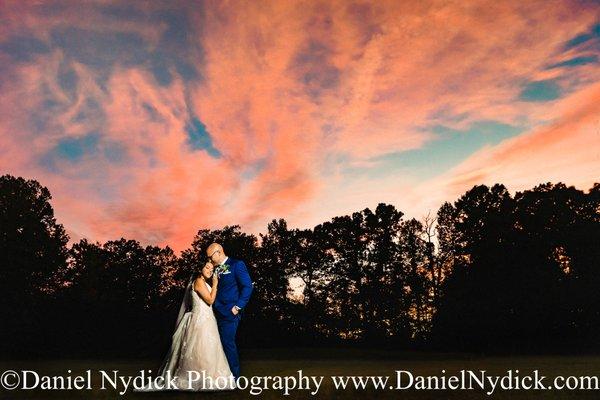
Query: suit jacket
x=234 y=289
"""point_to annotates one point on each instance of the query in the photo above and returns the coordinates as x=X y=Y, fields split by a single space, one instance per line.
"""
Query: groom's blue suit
x=234 y=289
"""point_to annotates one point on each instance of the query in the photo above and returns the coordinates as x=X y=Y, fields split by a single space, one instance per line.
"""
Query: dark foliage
x=491 y=273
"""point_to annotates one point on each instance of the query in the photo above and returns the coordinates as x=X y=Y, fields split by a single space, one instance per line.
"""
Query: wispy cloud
x=154 y=119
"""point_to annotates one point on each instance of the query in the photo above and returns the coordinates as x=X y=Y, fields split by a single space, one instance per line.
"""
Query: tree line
x=489 y=272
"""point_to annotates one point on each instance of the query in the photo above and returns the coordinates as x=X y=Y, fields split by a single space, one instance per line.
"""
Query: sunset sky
x=151 y=120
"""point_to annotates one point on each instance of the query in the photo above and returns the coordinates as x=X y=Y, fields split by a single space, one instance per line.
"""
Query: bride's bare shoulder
x=198 y=282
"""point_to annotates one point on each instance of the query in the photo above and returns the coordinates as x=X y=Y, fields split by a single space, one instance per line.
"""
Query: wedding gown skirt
x=196 y=346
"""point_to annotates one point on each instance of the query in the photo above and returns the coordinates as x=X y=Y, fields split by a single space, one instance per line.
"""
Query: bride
x=196 y=360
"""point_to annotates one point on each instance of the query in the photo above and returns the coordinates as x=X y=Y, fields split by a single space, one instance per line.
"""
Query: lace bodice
x=199 y=305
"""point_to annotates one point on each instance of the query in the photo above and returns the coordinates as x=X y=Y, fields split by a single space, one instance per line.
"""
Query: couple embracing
x=203 y=353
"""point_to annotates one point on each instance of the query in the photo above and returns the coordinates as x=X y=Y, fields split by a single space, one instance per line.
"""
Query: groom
x=234 y=289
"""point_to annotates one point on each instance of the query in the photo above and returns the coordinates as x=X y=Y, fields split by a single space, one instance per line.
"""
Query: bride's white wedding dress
x=196 y=346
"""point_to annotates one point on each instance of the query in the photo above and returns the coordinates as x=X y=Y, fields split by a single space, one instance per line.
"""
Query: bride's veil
x=186 y=302
x=186 y=305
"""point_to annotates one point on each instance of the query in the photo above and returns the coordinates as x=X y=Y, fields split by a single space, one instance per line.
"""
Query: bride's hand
x=215 y=278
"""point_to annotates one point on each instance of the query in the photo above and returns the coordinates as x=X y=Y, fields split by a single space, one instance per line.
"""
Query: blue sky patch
x=575 y=62
x=584 y=37
x=73 y=149
x=539 y=91
x=68 y=79
x=24 y=48
x=448 y=149
x=101 y=49
x=199 y=138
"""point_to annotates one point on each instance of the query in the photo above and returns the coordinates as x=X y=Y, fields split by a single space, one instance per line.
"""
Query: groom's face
x=213 y=256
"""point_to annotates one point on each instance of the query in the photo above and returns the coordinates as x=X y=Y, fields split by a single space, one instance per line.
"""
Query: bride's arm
x=208 y=297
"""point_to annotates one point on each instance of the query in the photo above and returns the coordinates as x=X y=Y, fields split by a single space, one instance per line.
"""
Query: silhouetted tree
x=32 y=249
x=309 y=263
x=120 y=284
x=270 y=302
x=415 y=295
x=387 y=314
x=490 y=272
x=478 y=298
x=516 y=283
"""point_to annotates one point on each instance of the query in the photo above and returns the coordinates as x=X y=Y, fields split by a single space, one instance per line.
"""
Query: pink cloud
x=293 y=95
x=567 y=150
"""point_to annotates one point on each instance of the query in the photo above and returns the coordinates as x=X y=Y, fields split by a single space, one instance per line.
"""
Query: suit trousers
x=227 y=331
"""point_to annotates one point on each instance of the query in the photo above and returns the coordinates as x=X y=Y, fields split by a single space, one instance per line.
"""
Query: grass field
x=319 y=362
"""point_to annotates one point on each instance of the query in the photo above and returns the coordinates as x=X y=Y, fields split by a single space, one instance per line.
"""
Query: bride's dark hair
x=198 y=273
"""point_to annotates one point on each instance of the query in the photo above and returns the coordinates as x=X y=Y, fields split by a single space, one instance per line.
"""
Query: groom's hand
x=235 y=310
